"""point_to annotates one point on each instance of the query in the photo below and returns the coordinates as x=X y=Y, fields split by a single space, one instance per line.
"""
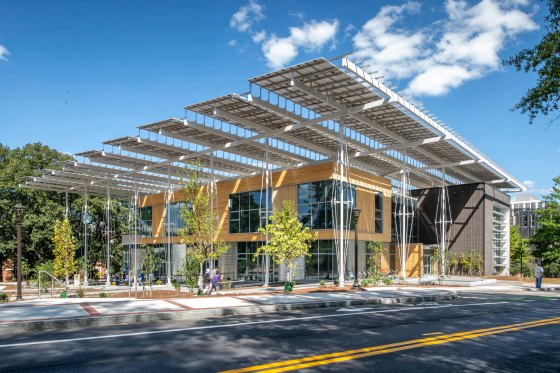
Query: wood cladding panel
x=285 y=188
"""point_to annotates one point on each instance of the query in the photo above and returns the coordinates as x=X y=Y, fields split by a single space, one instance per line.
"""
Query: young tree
x=200 y=230
x=151 y=260
x=520 y=253
x=289 y=239
x=543 y=59
x=547 y=237
x=64 y=260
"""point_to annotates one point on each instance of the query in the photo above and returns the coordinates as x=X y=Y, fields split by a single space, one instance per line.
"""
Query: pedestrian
x=538 y=275
x=207 y=282
x=216 y=279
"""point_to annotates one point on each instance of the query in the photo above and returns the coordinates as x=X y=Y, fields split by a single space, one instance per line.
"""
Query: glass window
x=321 y=264
x=378 y=212
x=247 y=211
x=145 y=222
x=175 y=220
x=316 y=200
x=251 y=267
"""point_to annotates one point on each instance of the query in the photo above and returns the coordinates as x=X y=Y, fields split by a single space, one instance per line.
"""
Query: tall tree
x=64 y=258
x=543 y=59
x=289 y=239
x=201 y=230
x=547 y=237
x=43 y=208
x=520 y=253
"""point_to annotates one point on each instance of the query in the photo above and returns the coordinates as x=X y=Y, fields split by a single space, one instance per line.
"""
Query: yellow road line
x=341 y=356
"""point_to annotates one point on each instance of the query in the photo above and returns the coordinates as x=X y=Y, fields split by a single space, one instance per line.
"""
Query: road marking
x=353 y=309
x=434 y=333
x=90 y=310
x=291 y=319
x=337 y=357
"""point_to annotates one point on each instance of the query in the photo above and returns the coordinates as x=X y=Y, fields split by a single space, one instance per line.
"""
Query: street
x=478 y=332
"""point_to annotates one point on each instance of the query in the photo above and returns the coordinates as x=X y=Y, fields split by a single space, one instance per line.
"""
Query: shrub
x=322 y=284
x=387 y=280
x=80 y=292
x=4 y=298
x=366 y=282
x=158 y=282
x=336 y=282
x=102 y=295
x=113 y=283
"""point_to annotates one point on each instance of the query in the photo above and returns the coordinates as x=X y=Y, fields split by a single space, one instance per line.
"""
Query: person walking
x=216 y=279
x=207 y=282
x=538 y=275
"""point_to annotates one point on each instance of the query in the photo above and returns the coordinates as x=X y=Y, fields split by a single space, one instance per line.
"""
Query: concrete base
x=451 y=281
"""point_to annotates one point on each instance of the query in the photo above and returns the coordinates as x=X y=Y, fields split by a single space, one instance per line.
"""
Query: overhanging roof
x=292 y=117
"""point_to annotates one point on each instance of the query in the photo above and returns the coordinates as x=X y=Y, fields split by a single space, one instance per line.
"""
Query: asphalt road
x=478 y=333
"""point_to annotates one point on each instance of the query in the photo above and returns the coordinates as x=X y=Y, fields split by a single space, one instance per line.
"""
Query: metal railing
x=53 y=279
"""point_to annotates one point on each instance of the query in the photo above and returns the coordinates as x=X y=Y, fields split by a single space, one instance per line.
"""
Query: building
x=478 y=220
x=524 y=208
x=297 y=134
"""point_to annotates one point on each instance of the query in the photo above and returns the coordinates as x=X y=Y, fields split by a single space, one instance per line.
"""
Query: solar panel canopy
x=317 y=111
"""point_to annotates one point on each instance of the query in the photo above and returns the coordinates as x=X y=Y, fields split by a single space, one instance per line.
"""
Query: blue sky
x=76 y=73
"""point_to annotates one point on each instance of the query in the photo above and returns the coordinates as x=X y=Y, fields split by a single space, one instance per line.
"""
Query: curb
x=542 y=289
x=81 y=322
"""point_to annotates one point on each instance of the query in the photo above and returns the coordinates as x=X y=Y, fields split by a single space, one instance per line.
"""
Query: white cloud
x=3 y=53
x=529 y=183
x=312 y=37
x=259 y=36
x=246 y=16
x=461 y=47
x=232 y=43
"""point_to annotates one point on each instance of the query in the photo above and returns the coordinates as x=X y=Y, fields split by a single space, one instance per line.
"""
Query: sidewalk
x=56 y=313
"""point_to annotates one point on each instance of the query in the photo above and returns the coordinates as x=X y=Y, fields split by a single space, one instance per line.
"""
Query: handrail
x=53 y=279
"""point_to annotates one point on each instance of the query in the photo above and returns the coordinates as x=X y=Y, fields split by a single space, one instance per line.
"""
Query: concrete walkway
x=56 y=313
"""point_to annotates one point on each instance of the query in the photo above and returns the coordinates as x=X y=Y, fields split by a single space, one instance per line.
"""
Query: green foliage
x=80 y=292
x=289 y=239
x=547 y=237
x=48 y=266
x=322 y=284
x=520 y=253
x=375 y=248
x=543 y=59
x=201 y=229
x=387 y=280
x=4 y=298
x=190 y=270
x=336 y=282
x=42 y=207
x=102 y=295
x=64 y=261
x=151 y=261
x=159 y=282
x=366 y=282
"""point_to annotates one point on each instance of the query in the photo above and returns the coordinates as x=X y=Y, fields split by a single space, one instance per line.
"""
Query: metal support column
x=267 y=176
x=108 y=225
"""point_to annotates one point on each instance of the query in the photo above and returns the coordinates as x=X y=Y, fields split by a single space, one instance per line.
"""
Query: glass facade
x=247 y=211
x=321 y=264
x=378 y=212
x=145 y=222
x=175 y=221
x=251 y=267
x=411 y=207
x=317 y=204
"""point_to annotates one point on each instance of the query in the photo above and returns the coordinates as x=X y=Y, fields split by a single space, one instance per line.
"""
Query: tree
x=520 y=253
x=543 y=59
x=200 y=230
x=289 y=240
x=63 y=240
x=43 y=208
x=547 y=236
x=151 y=261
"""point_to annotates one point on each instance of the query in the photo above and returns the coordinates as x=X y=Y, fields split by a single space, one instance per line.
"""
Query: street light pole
x=20 y=211
x=356 y=215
